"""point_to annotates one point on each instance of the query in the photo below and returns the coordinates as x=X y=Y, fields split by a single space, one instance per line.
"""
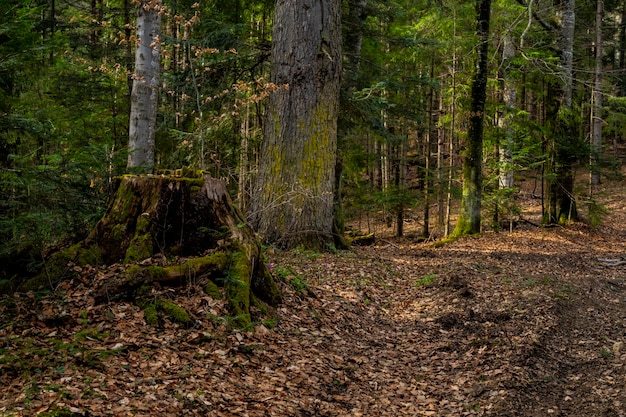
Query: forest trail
x=529 y=323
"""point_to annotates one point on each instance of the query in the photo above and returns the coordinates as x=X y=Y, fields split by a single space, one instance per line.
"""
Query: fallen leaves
x=505 y=324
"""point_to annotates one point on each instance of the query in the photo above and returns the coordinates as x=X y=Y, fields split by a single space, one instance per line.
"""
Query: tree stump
x=188 y=217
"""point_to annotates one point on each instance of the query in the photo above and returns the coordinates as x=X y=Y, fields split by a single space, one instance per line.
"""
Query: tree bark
x=596 y=112
x=143 y=103
x=509 y=96
x=292 y=201
x=622 y=53
x=470 y=211
x=560 y=201
x=567 y=58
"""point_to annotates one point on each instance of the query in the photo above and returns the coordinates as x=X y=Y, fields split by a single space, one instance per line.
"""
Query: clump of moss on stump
x=186 y=215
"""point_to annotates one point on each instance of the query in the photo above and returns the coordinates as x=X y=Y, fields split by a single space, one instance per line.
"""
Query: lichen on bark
x=292 y=199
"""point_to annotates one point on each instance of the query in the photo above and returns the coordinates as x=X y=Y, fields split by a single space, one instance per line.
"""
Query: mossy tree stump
x=191 y=217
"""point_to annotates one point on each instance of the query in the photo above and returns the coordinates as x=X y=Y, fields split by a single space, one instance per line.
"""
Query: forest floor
x=528 y=323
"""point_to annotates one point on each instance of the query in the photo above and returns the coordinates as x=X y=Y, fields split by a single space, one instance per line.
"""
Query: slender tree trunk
x=622 y=52
x=509 y=97
x=431 y=133
x=441 y=141
x=143 y=105
x=244 y=163
x=292 y=201
x=567 y=32
x=469 y=215
x=565 y=170
x=596 y=112
x=452 y=148
x=354 y=23
x=401 y=152
x=560 y=201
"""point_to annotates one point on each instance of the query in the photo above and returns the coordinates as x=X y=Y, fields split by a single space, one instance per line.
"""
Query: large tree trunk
x=469 y=213
x=143 y=103
x=292 y=201
x=190 y=218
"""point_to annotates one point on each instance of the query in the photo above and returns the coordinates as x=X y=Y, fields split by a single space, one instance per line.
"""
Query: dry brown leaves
x=522 y=324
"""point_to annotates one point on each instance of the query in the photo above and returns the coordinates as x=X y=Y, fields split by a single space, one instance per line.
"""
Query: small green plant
x=425 y=280
x=270 y=323
x=307 y=253
x=84 y=320
x=284 y=272
x=596 y=212
x=605 y=353
x=91 y=334
x=299 y=284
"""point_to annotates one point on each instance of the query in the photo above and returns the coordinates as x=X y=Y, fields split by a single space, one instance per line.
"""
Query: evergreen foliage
x=64 y=102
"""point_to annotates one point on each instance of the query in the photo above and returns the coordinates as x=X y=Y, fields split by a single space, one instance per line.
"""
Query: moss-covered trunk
x=292 y=200
x=470 y=211
x=180 y=217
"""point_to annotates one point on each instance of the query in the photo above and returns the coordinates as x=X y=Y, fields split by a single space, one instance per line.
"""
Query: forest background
x=66 y=79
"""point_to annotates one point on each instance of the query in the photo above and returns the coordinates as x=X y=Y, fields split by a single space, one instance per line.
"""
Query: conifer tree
x=470 y=212
x=292 y=200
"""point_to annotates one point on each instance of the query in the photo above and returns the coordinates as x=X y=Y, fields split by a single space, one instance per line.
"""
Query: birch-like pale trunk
x=509 y=97
x=144 y=95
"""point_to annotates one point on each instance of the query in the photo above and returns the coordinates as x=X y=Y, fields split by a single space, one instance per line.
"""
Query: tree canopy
x=405 y=107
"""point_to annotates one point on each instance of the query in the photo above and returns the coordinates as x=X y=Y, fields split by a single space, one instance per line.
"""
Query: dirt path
x=523 y=324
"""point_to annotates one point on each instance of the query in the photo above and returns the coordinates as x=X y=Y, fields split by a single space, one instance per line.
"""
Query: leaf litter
x=525 y=323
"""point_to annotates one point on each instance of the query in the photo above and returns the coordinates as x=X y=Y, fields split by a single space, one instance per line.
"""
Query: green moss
x=258 y=304
x=187 y=172
x=157 y=273
x=151 y=307
x=564 y=219
x=174 y=311
x=150 y=314
x=210 y=264
x=117 y=233
x=55 y=269
x=140 y=247
x=90 y=256
x=142 y=292
x=191 y=182
x=238 y=288
x=317 y=156
x=134 y=274
x=218 y=259
x=267 y=285
x=213 y=290
x=124 y=202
